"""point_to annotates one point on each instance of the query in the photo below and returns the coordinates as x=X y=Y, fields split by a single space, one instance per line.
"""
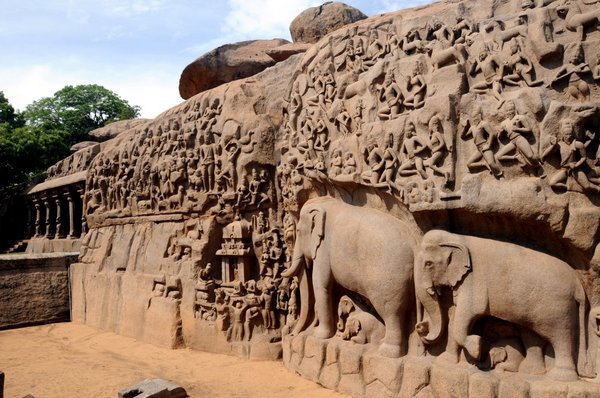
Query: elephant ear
x=459 y=262
x=317 y=230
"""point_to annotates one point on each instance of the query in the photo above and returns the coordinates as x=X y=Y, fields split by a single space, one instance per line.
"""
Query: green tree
x=40 y=136
x=77 y=110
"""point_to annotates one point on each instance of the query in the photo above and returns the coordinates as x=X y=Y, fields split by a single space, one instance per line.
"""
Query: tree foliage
x=41 y=135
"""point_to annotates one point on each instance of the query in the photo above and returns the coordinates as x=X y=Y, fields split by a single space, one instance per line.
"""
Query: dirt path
x=70 y=360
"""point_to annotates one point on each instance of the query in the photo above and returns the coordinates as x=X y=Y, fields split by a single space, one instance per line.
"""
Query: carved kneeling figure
x=357 y=325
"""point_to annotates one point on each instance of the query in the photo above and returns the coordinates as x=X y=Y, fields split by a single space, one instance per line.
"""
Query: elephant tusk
x=431 y=292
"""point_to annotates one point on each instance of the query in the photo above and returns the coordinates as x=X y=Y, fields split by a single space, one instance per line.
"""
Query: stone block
x=482 y=385
x=415 y=377
x=583 y=389
x=351 y=384
x=333 y=353
x=377 y=389
x=297 y=351
x=330 y=376
x=513 y=387
x=449 y=381
x=314 y=356
x=153 y=388
x=286 y=346
x=386 y=370
x=548 y=389
x=350 y=359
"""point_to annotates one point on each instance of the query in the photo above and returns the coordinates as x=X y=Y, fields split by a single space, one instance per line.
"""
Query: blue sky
x=136 y=48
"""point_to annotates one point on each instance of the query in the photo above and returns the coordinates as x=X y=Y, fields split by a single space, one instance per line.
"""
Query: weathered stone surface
x=113 y=129
x=449 y=381
x=34 y=289
x=82 y=145
x=314 y=357
x=153 y=388
x=482 y=385
x=415 y=377
x=285 y=51
x=227 y=63
x=314 y=23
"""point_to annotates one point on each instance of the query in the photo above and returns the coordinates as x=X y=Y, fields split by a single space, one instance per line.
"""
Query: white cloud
x=153 y=90
x=263 y=18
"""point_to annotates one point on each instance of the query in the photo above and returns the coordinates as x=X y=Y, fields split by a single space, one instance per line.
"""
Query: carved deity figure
x=575 y=70
x=484 y=138
x=519 y=68
x=390 y=98
x=572 y=158
x=516 y=127
x=411 y=151
x=439 y=149
x=492 y=69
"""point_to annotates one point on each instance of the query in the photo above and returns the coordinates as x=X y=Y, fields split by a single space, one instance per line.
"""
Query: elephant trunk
x=430 y=331
x=297 y=265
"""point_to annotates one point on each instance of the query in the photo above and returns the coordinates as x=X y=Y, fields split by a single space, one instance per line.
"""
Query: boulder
x=315 y=22
x=227 y=63
x=115 y=128
x=282 y=53
x=81 y=145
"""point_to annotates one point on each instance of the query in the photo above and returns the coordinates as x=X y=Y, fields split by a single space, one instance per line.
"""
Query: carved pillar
x=49 y=228
x=71 y=216
x=83 y=220
x=59 y=227
x=38 y=219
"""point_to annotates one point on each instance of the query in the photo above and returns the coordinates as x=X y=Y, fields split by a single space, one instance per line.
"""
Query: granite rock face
x=227 y=63
x=413 y=198
x=316 y=22
x=113 y=129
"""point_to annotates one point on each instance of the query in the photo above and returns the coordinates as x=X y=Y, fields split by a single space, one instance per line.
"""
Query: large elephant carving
x=363 y=250
x=506 y=281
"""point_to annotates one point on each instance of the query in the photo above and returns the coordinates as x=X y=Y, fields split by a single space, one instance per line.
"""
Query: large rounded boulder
x=227 y=63
x=315 y=22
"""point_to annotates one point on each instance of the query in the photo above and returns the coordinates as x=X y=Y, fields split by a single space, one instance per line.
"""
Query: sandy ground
x=71 y=360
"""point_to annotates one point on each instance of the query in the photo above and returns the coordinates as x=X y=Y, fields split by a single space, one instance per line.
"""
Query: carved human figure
x=519 y=68
x=320 y=131
x=238 y=320
x=484 y=138
x=336 y=163
x=576 y=69
x=516 y=126
x=390 y=98
x=416 y=88
x=439 y=149
x=572 y=158
x=343 y=121
x=357 y=117
x=492 y=69
x=349 y=164
x=374 y=159
x=390 y=165
x=412 y=152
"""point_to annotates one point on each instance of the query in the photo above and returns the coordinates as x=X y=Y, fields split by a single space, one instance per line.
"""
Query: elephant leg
x=564 y=350
x=534 y=357
x=460 y=330
x=323 y=284
x=392 y=345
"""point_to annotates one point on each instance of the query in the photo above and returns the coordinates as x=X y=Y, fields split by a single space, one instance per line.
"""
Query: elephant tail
x=584 y=365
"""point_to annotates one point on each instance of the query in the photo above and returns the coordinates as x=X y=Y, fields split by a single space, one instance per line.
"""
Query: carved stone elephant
x=504 y=280
x=358 y=325
x=363 y=250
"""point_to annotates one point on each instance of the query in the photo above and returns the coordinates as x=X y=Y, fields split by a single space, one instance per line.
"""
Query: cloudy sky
x=136 y=48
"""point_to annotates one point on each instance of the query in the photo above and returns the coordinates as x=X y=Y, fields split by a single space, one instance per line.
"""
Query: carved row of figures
x=79 y=161
x=249 y=309
x=456 y=280
x=169 y=170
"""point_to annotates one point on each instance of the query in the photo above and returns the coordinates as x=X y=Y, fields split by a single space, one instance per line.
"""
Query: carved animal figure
x=364 y=250
x=504 y=280
x=358 y=325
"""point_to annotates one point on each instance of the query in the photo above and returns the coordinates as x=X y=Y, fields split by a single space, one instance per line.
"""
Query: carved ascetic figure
x=342 y=244
x=506 y=281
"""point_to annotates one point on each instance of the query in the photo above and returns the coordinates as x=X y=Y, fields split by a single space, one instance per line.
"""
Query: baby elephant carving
x=506 y=281
x=358 y=325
